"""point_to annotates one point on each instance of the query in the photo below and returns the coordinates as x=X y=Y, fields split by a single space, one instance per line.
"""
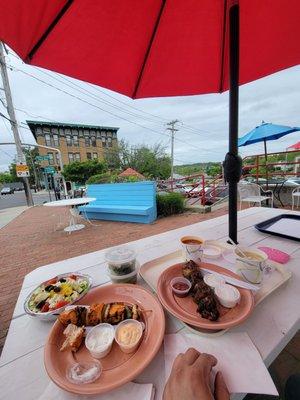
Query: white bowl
x=103 y=350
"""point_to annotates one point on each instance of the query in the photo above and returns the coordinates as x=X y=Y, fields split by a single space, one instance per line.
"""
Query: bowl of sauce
x=128 y=335
x=180 y=286
x=99 y=340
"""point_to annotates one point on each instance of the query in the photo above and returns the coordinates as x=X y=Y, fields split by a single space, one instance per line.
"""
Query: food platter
x=118 y=367
x=186 y=310
x=65 y=292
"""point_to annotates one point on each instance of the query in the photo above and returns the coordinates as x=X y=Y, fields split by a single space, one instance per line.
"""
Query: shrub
x=170 y=203
x=106 y=177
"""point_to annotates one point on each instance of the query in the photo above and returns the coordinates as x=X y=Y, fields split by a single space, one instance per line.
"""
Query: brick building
x=75 y=141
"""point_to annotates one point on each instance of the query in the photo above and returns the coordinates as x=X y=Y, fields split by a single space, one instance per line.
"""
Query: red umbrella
x=145 y=48
x=295 y=146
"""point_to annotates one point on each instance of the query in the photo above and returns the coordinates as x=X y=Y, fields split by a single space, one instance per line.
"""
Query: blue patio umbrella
x=264 y=132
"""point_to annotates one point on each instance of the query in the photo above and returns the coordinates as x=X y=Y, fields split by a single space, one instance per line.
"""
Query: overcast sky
x=204 y=127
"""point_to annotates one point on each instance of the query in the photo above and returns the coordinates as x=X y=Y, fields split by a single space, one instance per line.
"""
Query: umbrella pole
x=233 y=178
x=266 y=160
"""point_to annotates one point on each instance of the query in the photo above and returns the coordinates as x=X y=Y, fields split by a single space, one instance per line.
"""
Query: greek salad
x=57 y=292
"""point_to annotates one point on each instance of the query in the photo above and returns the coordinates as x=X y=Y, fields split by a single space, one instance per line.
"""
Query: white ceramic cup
x=250 y=268
x=192 y=251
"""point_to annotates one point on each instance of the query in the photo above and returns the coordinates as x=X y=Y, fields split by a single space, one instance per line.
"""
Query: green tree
x=34 y=167
x=214 y=170
x=80 y=172
x=151 y=161
x=6 y=177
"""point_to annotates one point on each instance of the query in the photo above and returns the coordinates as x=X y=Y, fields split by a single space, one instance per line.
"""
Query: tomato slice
x=45 y=307
x=52 y=281
x=60 y=304
x=73 y=277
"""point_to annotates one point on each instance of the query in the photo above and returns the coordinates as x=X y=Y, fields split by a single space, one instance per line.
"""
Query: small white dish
x=213 y=280
x=211 y=252
x=228 y=295
x=93 y=340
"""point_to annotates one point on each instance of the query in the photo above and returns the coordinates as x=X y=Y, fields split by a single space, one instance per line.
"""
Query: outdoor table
x=271 y=326
x=71 y=203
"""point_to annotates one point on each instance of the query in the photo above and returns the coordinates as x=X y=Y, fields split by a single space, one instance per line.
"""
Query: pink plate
x=186 y=310
x=118 y=367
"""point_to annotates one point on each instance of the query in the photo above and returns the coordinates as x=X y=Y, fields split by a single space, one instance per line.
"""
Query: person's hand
x=189 y=378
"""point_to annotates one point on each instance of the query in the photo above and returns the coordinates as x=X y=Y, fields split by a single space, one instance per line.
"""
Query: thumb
x=221 y=391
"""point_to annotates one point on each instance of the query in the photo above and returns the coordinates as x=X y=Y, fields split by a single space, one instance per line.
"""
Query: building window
x=48 y=139
x=94 y=143
x=87 y=142
x=51 y=158
x=95 y=156
x=56 y=140
x=75 y=141
x=103 y=142
x=89 y=156
x=69 y=140
x=77 y=157
x=57 y=158
x=109 y=142
x=71 y=157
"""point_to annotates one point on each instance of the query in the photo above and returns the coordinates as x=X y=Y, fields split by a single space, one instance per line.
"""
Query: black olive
x=62 y=280
x=40 y=304
x=49 y=288
x=56 y=289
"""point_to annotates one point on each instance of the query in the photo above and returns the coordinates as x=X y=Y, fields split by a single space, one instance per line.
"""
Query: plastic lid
x=83 y=373
x=120 y=255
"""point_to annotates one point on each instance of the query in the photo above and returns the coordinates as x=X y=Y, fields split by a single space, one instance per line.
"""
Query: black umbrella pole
x=233 y=118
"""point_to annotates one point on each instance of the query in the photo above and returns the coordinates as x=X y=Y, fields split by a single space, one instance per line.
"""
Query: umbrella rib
x=223 y=47
x=163 y=3
x=49 y=29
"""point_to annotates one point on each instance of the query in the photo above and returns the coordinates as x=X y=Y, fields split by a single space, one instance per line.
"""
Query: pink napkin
x=275 y=255
x=242 y=367
x=130 y=391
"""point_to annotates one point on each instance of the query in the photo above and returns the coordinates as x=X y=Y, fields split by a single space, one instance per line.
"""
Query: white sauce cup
x=99 y=350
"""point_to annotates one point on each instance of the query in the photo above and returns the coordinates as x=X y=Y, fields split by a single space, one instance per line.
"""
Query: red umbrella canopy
x=145 y=48
x=295 y=146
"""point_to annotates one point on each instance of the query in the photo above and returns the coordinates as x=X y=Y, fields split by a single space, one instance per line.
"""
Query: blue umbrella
x=264 y=132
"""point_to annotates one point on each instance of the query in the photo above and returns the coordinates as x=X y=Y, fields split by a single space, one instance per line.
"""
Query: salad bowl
x=51 y=297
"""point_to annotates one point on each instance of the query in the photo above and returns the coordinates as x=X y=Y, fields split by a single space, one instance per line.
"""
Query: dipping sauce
x=99 y=340
x=128 y=335
x=227 y=295
x=181 y=286
x=191 y=241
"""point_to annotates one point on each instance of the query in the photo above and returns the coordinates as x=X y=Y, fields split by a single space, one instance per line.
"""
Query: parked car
x=7 y=190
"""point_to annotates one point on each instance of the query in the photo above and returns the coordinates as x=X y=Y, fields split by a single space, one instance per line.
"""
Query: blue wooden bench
x=129 y=202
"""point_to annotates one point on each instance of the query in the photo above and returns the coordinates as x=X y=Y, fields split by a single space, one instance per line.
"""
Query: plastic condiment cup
x=102 y=350
x=227 y=295
x=179 y=292
x=129 y=348
x=128 y=278
x=213 y=280
x=121 y=260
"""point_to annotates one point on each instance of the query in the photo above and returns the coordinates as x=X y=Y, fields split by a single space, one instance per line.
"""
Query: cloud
x=205 y=118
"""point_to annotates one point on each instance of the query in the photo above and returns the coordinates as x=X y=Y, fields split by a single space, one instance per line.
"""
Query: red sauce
x=181 y=286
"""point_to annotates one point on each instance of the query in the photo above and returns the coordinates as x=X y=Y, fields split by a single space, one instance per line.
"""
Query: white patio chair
x=253 y=193
x=296 y=195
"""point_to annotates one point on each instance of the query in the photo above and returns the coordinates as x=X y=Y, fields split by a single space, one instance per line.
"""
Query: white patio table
x=271 y=326
x=71 y=204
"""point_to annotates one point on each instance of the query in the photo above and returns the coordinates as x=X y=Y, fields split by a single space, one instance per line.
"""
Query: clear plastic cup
x=104 y=333
x=124 y=338
x=129 y=278
x=121 y=260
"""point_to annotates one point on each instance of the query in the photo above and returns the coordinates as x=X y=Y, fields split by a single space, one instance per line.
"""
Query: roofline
x=66 y=124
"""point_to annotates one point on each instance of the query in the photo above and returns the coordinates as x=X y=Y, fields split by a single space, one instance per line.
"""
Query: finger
x=221 y=391
x=190 y=356
x=177 y=362
x=206 y=361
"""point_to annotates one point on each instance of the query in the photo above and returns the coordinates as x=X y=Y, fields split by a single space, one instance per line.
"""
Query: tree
x=80 y=172
x=6 y=177
x=151 y=161
x=214 y=170
x=34 y=167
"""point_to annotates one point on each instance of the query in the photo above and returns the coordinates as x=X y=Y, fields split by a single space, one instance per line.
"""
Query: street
x=18 y=199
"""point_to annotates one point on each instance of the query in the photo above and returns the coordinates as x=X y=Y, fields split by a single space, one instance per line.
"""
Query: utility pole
x=172 y=129
x=13 y=123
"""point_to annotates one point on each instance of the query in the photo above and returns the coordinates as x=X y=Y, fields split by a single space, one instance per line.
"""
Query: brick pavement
x=34 y=239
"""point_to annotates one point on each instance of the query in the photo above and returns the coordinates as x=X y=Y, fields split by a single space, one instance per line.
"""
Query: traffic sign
x=42 y=158
x=49 y=170
x=22 y=170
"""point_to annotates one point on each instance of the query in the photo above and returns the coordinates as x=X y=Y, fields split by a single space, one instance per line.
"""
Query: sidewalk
x=9 y=214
